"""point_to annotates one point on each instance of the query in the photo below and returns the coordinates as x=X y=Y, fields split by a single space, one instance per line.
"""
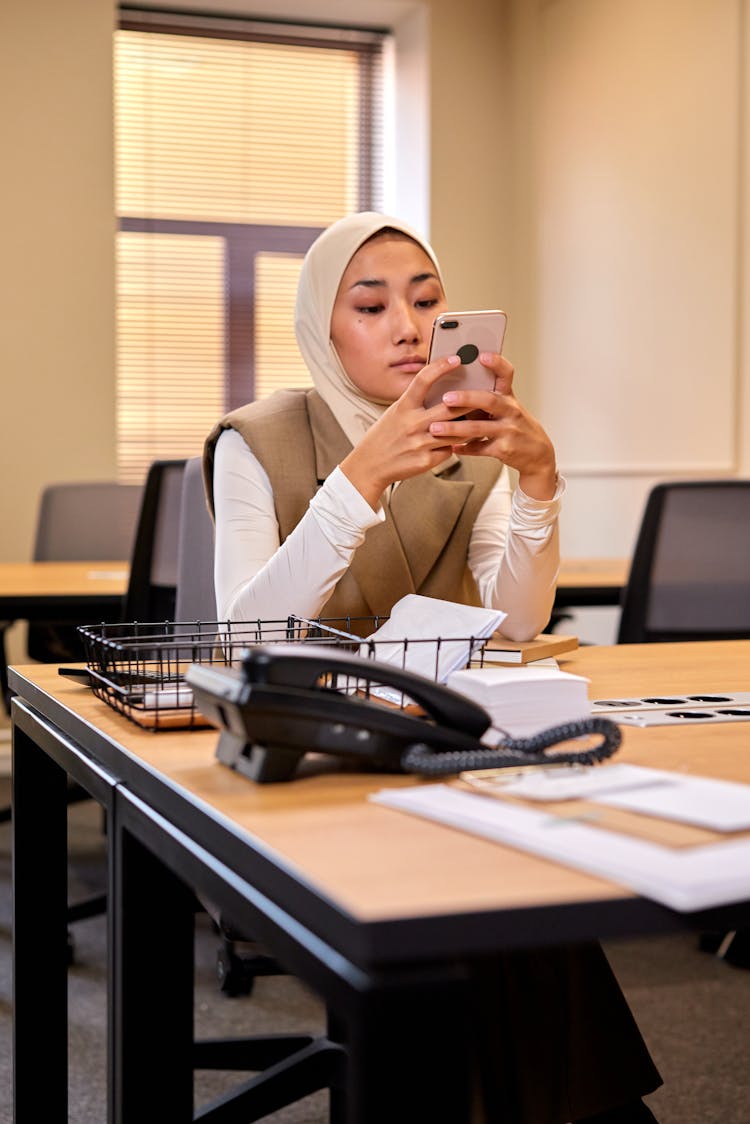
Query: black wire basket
x=139 y=668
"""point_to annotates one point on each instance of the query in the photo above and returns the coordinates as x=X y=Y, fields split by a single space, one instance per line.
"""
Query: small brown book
x=498 y=650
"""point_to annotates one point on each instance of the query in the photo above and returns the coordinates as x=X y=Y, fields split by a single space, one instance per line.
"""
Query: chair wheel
x=732 y=946
x=232 y=974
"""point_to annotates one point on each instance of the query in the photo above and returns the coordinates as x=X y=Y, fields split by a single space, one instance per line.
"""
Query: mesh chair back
x=153 y=571
x=690 y=576
x=196 y=599
x=91 y=521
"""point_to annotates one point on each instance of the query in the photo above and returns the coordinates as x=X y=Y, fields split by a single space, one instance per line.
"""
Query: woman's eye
x=430 y=302
x=370 y=309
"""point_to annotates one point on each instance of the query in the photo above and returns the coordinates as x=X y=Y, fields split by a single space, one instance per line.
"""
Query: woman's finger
x=423 y=380
x=503 y=371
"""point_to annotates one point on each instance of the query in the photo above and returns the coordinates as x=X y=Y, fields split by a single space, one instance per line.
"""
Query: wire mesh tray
x=139 y=668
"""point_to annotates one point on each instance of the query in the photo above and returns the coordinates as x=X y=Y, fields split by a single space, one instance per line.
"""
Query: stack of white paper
x=524 y=700
x=431 y=637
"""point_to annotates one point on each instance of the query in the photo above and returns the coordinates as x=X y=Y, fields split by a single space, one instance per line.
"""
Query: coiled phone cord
x=421 y=758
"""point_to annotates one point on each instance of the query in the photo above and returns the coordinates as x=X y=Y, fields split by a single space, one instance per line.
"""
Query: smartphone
x=465 y=334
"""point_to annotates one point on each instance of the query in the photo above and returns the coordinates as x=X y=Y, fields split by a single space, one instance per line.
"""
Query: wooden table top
x=76 y=579
x=63 y=579
x=378 y=863
x=577 y=573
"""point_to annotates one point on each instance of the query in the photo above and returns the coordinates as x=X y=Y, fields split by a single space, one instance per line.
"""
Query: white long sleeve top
x=513 y=551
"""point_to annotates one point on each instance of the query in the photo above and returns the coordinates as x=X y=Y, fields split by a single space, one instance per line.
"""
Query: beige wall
x=635 y=296
x=470 y=187
x=632 y=270
x=56 y=199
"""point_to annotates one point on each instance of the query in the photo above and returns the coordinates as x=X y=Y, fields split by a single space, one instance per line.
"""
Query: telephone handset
x=281 y=704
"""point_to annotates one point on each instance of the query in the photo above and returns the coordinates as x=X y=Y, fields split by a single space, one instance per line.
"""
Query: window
x=236 y=143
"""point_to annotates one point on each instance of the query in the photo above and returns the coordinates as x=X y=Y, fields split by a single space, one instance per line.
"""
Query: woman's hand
x=495 y=424
x=403 y=443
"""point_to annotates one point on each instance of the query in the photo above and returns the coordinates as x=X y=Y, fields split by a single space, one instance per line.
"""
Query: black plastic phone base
x=262 y=765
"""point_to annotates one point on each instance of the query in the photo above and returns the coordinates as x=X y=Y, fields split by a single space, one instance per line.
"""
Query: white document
x=684 y=879
x=718 y=805
x=431 y=637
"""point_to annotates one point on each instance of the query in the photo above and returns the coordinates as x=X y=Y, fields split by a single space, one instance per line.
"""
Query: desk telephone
x=279 y=705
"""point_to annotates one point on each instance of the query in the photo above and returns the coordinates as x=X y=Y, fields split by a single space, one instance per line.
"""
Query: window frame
x=244 y=241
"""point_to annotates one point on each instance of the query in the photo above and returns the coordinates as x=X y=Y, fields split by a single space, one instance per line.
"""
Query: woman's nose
x=405 y=325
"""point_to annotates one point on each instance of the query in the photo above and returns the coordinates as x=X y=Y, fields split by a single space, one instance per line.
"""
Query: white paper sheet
x=685 y=880
x=718 y=805
x=431 y=637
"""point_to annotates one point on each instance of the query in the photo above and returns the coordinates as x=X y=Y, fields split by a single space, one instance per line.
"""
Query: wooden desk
x=33 y=590
x=378 y=912
x=66 y=592
x=591 y=581
x=34 y=586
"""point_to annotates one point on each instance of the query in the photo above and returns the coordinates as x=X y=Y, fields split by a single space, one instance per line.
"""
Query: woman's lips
x=410 y=364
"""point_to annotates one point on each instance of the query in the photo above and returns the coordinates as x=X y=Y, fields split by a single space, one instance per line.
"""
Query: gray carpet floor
x=692 y=1009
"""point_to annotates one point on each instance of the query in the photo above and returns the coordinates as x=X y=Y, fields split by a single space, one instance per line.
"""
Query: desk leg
x=40 y=941
x=4 y=687
x=409 y=1054
x=153 y=926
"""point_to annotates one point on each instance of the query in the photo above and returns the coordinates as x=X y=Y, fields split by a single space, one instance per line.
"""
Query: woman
x=392 y=509
x=336 y=502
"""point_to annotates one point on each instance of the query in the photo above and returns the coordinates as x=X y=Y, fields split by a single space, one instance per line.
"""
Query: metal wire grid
x=138 y=668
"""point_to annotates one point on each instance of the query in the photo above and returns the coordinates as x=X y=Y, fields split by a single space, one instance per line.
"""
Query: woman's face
x=382 y=316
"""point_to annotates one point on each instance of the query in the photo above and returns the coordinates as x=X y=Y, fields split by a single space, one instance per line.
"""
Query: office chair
x=195 y=597
x=152 y=588
x=690 y=580
x=239 y=959
x=690 y=575
x=90 y=521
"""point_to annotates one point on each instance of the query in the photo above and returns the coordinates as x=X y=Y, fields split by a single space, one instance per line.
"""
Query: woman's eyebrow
x=374 y=282
x=367 y=283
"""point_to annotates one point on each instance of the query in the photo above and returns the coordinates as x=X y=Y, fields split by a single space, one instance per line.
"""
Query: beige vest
x=423 y=544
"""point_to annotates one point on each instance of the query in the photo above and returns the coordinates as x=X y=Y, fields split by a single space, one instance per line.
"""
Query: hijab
x=322 y=270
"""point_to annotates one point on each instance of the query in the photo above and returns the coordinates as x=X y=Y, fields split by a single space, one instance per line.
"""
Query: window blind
x=237 y=142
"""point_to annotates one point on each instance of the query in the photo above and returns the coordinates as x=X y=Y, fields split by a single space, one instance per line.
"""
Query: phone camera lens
x=467 y=353
x=445 y=324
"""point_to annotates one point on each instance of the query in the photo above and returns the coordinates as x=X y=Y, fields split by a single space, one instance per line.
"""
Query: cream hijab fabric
x=319 y=281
